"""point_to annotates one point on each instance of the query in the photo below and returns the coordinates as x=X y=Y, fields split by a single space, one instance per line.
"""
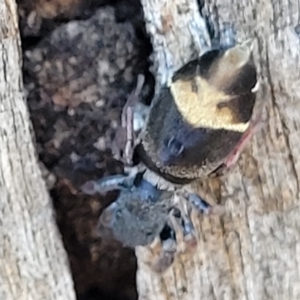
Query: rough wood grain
x=33 y=262
x=252 y=252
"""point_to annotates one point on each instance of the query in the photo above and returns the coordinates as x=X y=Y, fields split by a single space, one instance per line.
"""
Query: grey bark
x=33 y=262
x=253 y=251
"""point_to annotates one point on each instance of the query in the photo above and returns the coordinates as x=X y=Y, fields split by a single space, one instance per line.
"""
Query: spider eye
x=174 y=146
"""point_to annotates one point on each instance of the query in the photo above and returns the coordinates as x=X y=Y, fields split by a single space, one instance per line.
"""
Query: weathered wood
x=33 y=262
x=252 y=252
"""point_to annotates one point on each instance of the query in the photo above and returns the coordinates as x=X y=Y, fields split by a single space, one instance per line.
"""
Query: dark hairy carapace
x=201 y=115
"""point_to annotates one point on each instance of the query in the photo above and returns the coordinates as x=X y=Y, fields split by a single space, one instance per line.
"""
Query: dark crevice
x=100 y=269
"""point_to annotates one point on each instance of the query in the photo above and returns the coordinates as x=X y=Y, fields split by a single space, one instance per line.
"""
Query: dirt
x=81 y=61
